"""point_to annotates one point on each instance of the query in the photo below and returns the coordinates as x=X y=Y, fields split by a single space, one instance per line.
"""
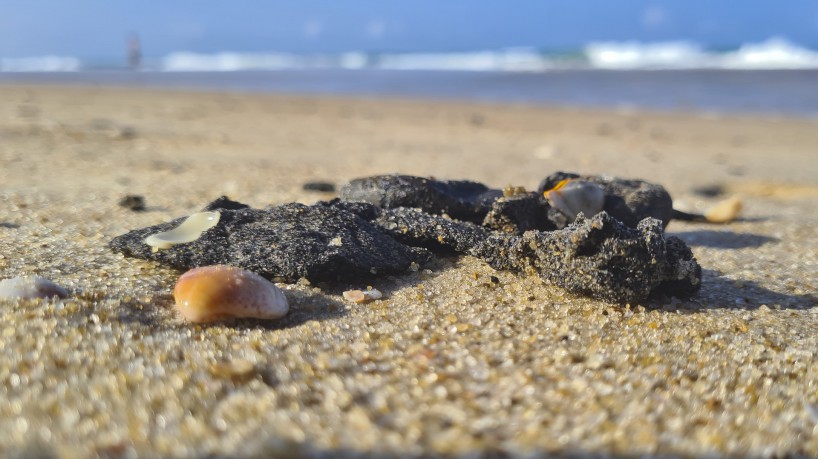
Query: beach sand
x=448 y=362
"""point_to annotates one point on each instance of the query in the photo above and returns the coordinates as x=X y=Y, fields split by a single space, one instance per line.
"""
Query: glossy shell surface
x=213 y=293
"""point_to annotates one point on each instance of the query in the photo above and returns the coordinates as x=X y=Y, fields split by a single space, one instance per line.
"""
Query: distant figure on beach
x=134 y=53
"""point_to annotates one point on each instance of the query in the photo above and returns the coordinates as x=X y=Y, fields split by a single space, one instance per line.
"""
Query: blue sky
x=99 y=28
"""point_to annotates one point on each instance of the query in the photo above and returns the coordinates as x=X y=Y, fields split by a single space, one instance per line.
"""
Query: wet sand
x=449 y=362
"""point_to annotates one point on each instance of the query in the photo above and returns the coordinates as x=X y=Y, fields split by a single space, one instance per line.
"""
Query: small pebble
x=812 y=411
x=724 y=211
x=212 y=293
x=124 y=133
x=238 y=370
x=30 y=287
x=321 y=187
x=133 y=202
x=363 y=296
x=710 y=191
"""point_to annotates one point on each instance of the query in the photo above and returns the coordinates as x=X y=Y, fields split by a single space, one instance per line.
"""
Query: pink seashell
x=212 y=293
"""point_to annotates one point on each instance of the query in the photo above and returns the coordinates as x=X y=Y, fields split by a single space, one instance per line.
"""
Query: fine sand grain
x=450 y=361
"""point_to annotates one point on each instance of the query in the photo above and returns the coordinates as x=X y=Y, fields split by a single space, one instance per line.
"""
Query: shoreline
x=464 y=104
x=443 y=364
x=773 y=92
x=624 y=110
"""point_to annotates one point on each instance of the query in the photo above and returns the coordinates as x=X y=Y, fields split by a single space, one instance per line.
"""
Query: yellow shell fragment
x=724 y=211
x=188 y=231
x=238 y=370
x=362 y=296
x=212 y=293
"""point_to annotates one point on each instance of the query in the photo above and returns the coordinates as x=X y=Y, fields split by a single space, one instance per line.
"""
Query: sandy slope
x=448 y=362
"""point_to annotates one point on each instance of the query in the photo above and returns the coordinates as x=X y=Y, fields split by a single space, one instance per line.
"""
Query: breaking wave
x=772 y=54
x=776 y=53
x=227 y=62
x=40 y=64
x=509 y=60
x=635 y=55
x=522 y=59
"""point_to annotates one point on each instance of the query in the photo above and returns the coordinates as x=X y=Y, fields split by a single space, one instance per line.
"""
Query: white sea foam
x=773 y=54
x=636 y=55
x=510 y=60
x=515 y=59
x=776 y=53
x=227 y=62
x=40 y=64
x=353 y=60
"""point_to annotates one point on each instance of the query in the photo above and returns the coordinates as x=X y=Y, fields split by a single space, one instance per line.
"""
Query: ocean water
x=772 y=92
x=771 y=77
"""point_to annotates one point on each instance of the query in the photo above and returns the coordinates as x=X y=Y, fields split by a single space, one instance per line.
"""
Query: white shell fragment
x=30 y=287
x=724 y=211
x=188 y=231
x=212 y=293
x=574 y=196
x=363 y=296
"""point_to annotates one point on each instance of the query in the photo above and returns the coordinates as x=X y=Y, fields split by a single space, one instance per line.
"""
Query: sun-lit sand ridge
x=449 y=360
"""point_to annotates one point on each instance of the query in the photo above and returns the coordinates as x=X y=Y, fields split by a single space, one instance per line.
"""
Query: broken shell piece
x=30 y=287
x=188 y=231
x=212 y=293
x=239 y=370
x=363 y=296
x=574 y=196
x=724 y=211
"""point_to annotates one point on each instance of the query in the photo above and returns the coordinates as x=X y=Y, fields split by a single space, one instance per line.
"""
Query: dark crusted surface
x=364 y=210
x=284 y=243
x=461 y=199
x=414 y=227
x=602 y=258
x=521 y=213
x=224 y=203
x=629 y=201
x=417 y=228
x=348 y=240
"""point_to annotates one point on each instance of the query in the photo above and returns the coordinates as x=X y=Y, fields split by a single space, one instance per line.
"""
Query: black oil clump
x=384 y=225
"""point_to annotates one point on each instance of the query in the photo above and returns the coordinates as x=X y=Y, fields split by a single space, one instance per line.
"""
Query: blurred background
x=701 y=55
